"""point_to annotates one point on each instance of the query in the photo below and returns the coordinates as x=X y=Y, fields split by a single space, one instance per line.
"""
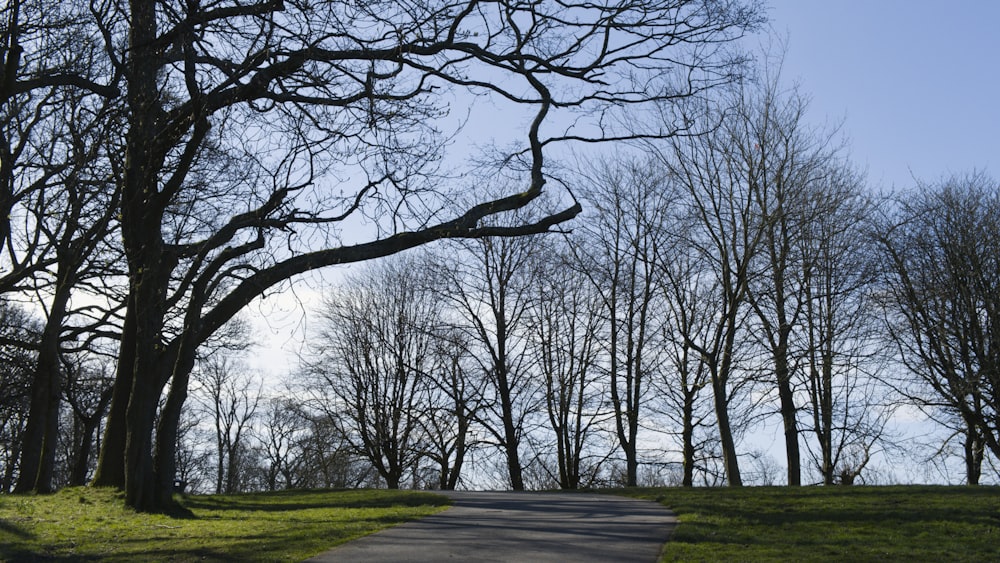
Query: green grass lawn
x=81 y=524
x=906 y=523
x=751 y=524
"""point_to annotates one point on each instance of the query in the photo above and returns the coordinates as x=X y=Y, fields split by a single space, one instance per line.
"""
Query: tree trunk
x=687 y=437
x=511 y=441
x=139 y=479
x=78 y=477
x=729 y=459
x=111 y=462
x=165 y=461
x=788 y=416
x=826 y=415
x=149 y=264
x=41 y=435
x=460 y=447
x=974 y=449
x=144 y=489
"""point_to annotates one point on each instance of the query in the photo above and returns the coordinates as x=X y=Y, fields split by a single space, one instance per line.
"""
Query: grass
x=750 y=524
x=85 y=524
x=906 y=523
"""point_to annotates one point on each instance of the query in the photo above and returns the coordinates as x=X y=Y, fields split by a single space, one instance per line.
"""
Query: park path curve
x=536 y=527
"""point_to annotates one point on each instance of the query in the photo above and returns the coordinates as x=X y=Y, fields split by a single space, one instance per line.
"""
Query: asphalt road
x=523 y=527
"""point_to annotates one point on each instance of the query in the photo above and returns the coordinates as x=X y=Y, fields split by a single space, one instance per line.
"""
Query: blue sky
x=916 y=82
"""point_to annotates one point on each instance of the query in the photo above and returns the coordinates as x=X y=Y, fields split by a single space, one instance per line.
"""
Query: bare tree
x=490 y=285
x=453 y=404
x=566 y=324
x=726 y=239
x=841 y=338
x=230 y=397
x=762 y=187
x=619 y=251
x=687 y=297
x=783 y=163
x=18 y=338
x=779 y=159
x=56 y=196
x=372 y=355
x=941 y=288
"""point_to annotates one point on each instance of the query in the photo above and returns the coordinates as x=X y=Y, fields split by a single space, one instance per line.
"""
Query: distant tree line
x=715 y=283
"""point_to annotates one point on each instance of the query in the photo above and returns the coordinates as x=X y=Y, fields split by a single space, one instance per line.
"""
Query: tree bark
x=41 y=436
x=729 y=459
x=789 y=414
x=165 y=460
x=687 y=439
x=111 y=462
x=511 y=439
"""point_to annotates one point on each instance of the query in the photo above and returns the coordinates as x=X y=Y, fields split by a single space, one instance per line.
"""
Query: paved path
x=535 y=527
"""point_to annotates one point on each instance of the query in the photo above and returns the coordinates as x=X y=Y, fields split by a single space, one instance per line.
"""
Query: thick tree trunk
x=149 y=264
x=789 y=415
x=165 y=461
x=139 y=480
x=41 y=436
x=144 y=489
x=33 y=439
x=111 y=462
x=729 y=459
x=511 y=439
x=974 y=449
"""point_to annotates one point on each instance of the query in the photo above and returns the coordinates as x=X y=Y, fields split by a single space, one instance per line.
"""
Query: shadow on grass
x=29 y=557
x=322 y=498
x=15 y=530
x=916 y=523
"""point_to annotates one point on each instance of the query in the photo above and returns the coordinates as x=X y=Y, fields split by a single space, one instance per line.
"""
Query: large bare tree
x=566 y=323
x=619 y=251
x=491 y=288
x=783 y=163
x=373 y=355
x=726 y=235
x=840 y=338
x=942 y=287
x=57 y=199
x=688 y=296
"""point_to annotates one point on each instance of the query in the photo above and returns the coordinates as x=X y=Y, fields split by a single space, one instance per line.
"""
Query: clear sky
x=916 y=82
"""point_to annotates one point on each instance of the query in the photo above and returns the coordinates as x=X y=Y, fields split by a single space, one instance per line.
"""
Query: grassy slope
x=751 y=524
x=833 y=523
x=87 y=524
